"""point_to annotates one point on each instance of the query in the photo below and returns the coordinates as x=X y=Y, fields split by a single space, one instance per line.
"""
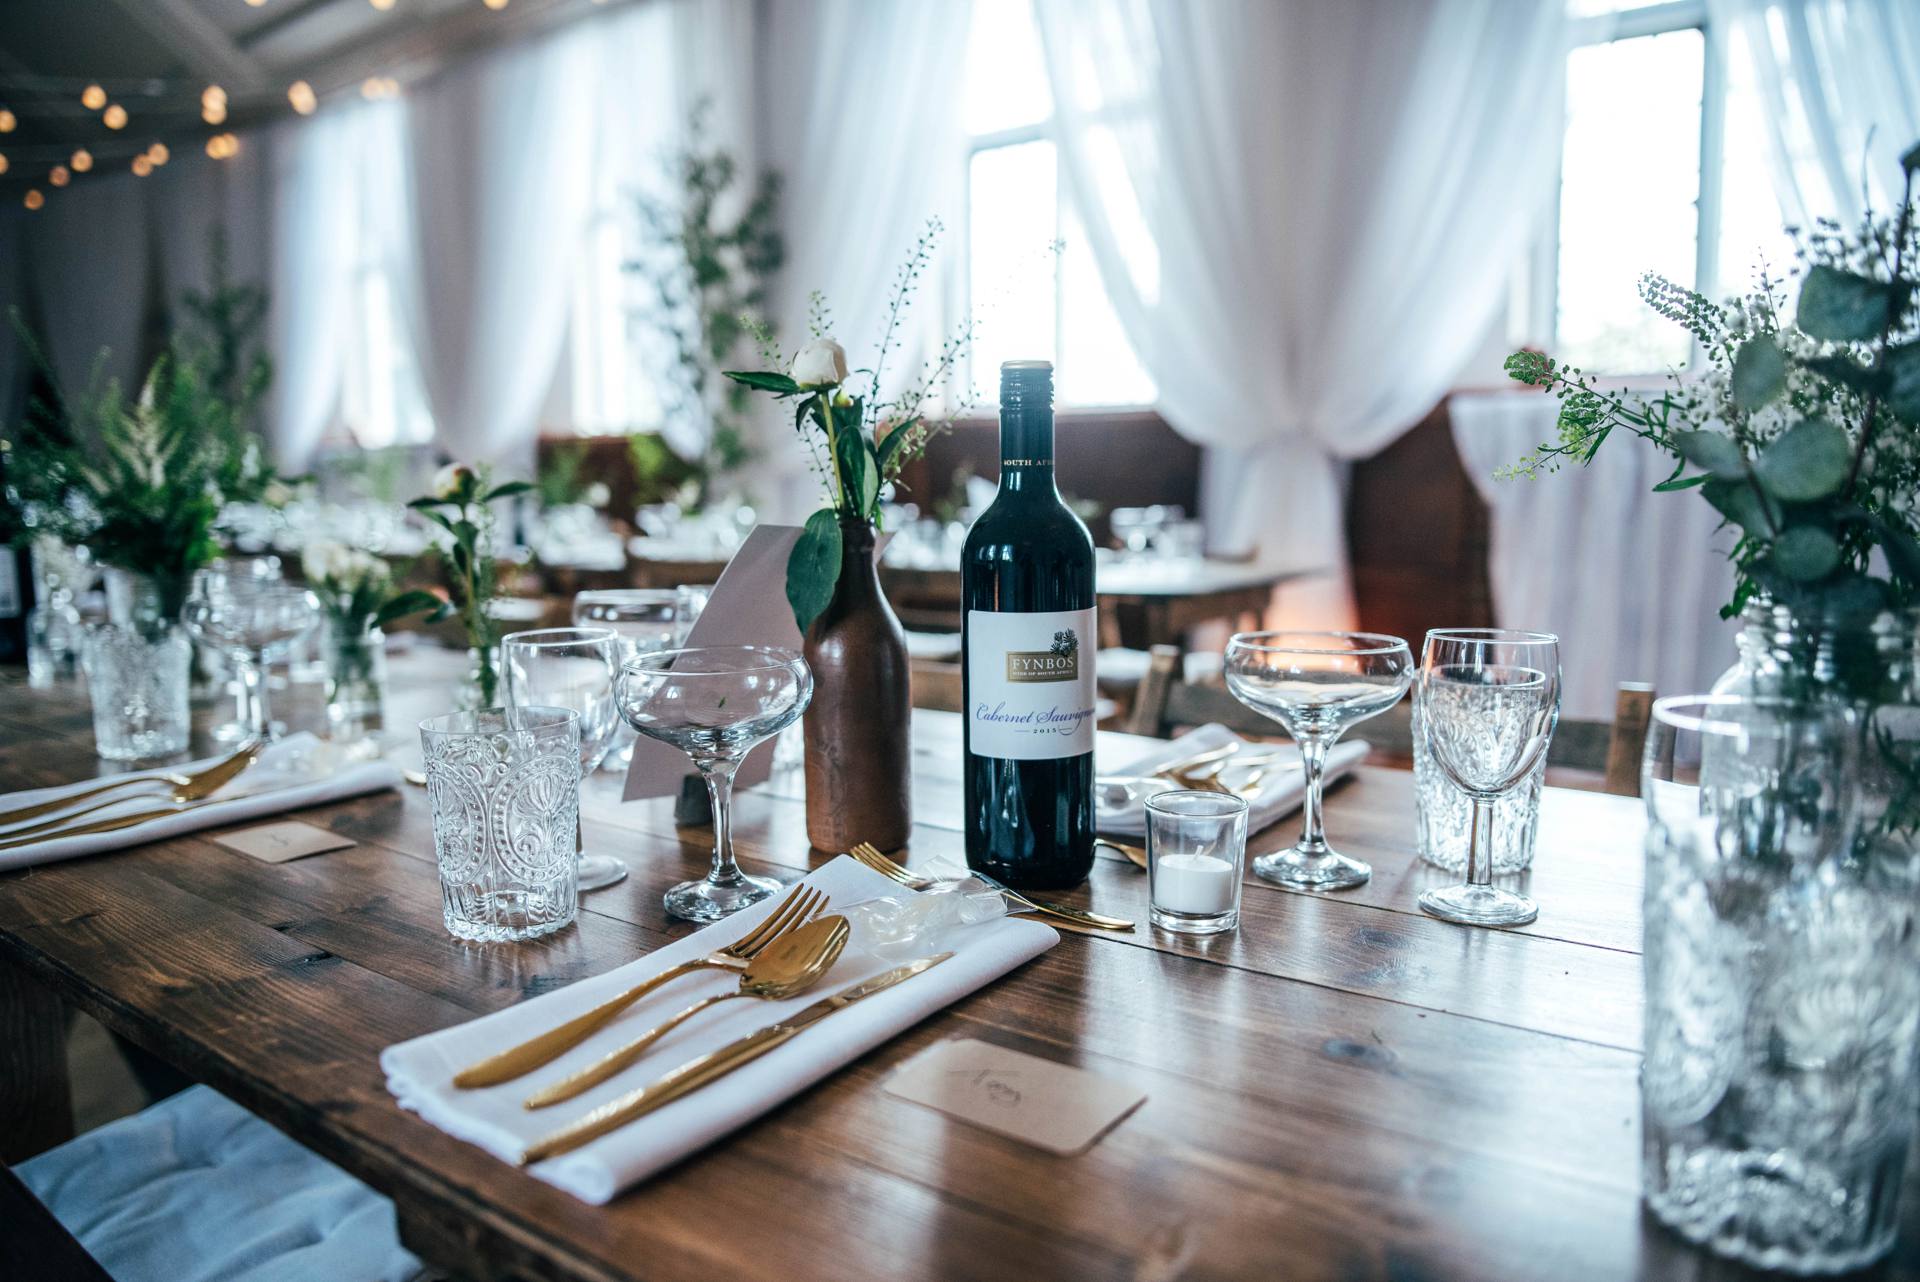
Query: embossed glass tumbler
x=506 y=805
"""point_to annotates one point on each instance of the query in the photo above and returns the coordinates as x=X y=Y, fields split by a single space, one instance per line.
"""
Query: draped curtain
x=1840 y=89
x=1304 y=214
x=88 y=263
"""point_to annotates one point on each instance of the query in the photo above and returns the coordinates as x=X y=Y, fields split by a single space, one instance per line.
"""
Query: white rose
x=363 y=568
x=324 y=562
x=597 y=495
x=821 y=363
x=451 y=479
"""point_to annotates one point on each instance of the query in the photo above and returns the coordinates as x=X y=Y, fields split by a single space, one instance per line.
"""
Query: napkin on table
x=420 y=1072
x=1282 y=789
x=298 y=771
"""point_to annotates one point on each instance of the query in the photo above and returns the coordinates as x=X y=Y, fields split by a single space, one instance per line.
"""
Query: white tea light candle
x=1197 y=884
x=1196 y=852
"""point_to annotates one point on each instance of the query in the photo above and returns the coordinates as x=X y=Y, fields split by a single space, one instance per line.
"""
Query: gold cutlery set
x=172 y=794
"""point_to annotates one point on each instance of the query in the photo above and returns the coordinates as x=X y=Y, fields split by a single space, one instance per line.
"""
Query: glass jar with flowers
x=355 y=592
x=461 y=505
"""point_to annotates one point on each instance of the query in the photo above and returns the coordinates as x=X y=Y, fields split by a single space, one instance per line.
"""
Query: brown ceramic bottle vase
x=859 y=737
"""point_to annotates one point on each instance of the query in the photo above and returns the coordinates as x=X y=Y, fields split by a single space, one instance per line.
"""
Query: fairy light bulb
x=158 y=154
x=381 y=5
x=300 y=94
x=82 y=161
x=7 y=121
x=59 y=177
x=142 y=166
x=495 y=5
x=114 y=117
x=3 y=164
x=93 y=97
x=34 y=198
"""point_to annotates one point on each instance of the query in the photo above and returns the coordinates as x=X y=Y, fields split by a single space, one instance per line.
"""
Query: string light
x=158 y=154
x=3 y=164
x=93 y=97
x=213 y=96
x=82 y=161
x=255 y=4
x=381 y=5
x=7 y=122
x=114 y=117
x=301 y=95
x=34 y=198
x=215 y=114
x=495 y=4
x=59 y=177
x=223 y=146
x=376 y=87
x=142 y=166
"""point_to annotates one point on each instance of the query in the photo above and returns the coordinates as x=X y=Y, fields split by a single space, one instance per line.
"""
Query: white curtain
x=1840 y=87
x=194 y=195
x=1304 y=214
x=88 y=264
x=497 y=153
x=860 y=113
x=1630 y=581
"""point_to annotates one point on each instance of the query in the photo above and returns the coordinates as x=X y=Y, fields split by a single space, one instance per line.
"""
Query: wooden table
x=1343 y=1089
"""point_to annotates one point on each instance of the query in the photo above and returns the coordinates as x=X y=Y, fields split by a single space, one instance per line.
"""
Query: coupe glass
x=570 y=668
x=1316 y=684
x=250 y=619
x=646 y=619
x=715 y=704
x=1488 y=705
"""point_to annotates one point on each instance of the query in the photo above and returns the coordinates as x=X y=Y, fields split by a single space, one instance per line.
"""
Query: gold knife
x=100 y=825
x=695 y=1073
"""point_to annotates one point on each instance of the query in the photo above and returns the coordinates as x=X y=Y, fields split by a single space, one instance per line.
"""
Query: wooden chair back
x=936 y=685
x=1165 y=702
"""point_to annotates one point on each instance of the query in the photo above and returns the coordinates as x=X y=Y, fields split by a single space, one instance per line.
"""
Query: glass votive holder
x=1196 y=856
x=505 y=791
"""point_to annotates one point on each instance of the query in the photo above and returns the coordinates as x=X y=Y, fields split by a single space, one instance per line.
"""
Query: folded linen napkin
x=420 y=1072
x=296 y=772
x=1282 y=788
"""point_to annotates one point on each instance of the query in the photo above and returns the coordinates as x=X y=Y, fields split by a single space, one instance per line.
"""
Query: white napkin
x=296 y=772
x=420 y=1072
x=1282 y=788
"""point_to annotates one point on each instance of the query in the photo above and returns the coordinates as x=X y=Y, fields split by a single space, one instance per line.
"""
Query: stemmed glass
x=250 y=617
x=1489 y=703
x=715 y=704
x=1316 y=684
x=570 y=668
x=646 y=619
x=236 y=574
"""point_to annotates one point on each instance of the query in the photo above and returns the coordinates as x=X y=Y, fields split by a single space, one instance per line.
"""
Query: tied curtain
x=1304 y=215
x=1839 y=82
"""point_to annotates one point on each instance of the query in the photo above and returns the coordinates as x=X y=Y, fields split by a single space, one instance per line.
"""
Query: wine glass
x=1488 y=703
x=1316 y=684
x=715 y=704
x=570 y=668
x=250 y=619
x=236 y=574
x=646 y=619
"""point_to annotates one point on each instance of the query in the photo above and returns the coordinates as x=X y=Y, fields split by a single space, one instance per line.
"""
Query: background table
x=1343 y=1089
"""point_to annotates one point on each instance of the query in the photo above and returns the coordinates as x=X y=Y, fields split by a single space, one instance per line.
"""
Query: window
x=608 y=373
x=381 y=400
x=1030 y=275
x=1662 y=169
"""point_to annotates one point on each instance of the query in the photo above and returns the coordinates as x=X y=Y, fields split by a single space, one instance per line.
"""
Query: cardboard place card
x=275 y=843
x=1051 y=1106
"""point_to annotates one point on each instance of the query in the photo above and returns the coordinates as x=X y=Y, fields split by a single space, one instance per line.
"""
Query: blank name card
x=1026 y=1098
x=275 y=843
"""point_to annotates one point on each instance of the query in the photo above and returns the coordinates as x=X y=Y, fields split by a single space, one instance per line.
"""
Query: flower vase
x=482 y=688
x=356 y=685
x=137 y=666
x=858 y=729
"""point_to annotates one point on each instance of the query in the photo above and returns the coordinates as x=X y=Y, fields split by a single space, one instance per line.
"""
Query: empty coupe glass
x=715 y=704
x=1316 y=684
x=1488 y=705
x=250 y=619
x=570 y=668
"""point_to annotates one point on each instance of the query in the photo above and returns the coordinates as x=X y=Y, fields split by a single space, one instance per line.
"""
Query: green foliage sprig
x=708 y=277
x=459 y=505
x=1805 y=433
x=857 y=444
x=355 y=588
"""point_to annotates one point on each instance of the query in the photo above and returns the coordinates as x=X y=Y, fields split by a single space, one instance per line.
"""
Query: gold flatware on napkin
x=799 y=960
x=801 y=905
x=869 y=854
x=1132 y=854
x=696 y=1073
x=177 y=788
x=100 y=825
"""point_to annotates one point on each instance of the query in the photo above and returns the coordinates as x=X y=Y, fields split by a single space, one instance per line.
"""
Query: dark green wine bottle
x=1029 y=640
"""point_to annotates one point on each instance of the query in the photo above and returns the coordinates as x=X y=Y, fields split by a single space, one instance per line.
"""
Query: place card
x=275 y=843
x=1026 y=1098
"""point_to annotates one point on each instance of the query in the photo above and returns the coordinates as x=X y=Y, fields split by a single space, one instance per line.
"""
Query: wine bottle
x=1028 y=643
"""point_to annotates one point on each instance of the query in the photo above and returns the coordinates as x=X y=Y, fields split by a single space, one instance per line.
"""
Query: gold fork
x=869 y=854
x=177 y=788
x=799 y=907
x=789 y=968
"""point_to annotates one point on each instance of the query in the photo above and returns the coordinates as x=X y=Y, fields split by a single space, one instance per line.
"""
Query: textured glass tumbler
x=506 y=804
x=138 y=680
x=1196 y=857
x=1443 y=815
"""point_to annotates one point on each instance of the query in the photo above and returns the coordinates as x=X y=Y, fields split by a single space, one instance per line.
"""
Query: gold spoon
x=787 y=968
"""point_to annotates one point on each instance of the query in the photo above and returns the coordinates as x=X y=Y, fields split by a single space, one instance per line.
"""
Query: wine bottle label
x=1030 y=694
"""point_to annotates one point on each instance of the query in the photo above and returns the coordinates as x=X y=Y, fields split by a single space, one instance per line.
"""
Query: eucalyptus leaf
x=813 y=567
x=1902 y=369
x=1712 y=452
x=1759 y=372
x=1675 y=483
x=1846 y=371
x=1850 y=596
x=1805 y=553
x=1842 y=307
x=766 y=381
x=1737 y=501
x=506 y=491
x=414 y=601
x=1807 y=462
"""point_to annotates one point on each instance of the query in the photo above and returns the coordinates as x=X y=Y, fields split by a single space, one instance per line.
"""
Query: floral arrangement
x=459 y=505
x=354 y=586
x=857 y=444
x=1805 y=433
